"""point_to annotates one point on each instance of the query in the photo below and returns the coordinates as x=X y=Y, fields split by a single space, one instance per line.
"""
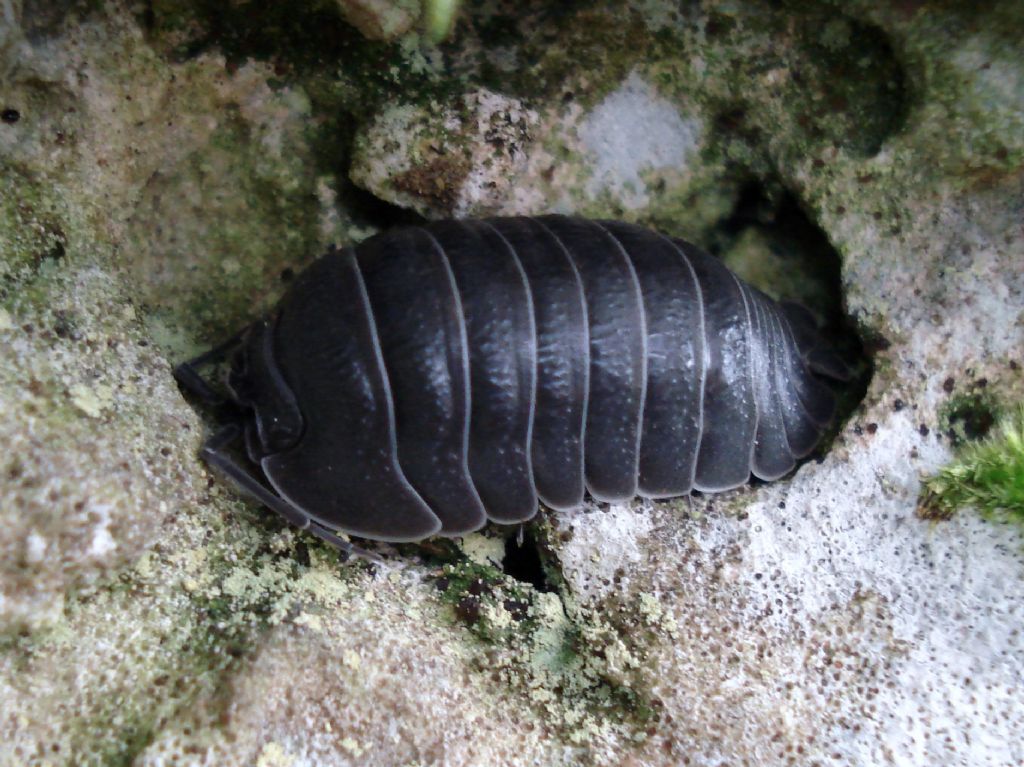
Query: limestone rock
x=96 y=441
x=446 y=161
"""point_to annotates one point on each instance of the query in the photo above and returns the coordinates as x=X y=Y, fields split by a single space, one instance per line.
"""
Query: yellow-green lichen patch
x=265 y=583
x=164 y=637
x=33 y=224
x=92 y=400
x=274 y=755
x=482 y=549
x=382 y=674
x=153 y=649
x=577 y=664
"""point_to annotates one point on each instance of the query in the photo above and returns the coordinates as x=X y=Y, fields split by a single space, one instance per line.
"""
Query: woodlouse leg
x=188 y=376
x=213 y=453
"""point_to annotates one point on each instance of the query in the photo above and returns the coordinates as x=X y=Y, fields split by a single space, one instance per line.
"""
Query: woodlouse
x=434 y=377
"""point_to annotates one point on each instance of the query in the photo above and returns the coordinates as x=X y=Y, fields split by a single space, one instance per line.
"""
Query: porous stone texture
x=167 y=169
x=93 y=433
x=487 y=154
x=633 y=131
x=446 y=160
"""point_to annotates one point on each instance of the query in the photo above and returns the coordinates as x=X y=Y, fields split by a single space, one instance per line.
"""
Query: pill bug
x=435 y=377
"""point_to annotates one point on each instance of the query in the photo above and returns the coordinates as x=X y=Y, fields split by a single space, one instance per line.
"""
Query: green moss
x=32 y=226
x=988 y=475
x=577 y=664
x=489 y=603
x=162 y=664
x=361 y=75
x=969 y=416
x=597 y=46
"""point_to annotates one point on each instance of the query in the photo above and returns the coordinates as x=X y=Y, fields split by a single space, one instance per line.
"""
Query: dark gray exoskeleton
x=434 y=377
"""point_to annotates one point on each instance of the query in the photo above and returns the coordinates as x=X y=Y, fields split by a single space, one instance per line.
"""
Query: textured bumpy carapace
x=435 y=377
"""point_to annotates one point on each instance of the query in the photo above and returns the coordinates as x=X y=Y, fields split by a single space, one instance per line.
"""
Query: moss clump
x=578 y=664
x=315 y=48
x=32 y=228
x=988 y=475
x=969 y=416
x=492 y=605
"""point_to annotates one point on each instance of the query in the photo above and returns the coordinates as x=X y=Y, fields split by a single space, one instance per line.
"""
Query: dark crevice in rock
x=813 y=266
x=366 y=209
x=313 y=46
x=525 y=562
x=562 y=651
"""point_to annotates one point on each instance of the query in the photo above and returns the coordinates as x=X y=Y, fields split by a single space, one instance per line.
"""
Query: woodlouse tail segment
x=819 y=357
x=825 y=362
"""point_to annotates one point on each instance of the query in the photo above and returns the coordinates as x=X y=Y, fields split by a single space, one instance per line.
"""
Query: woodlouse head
x=258 y=386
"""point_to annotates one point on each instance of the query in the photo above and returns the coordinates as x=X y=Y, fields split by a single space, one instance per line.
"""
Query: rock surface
x=167 y=171
x=381 y=19
x=446 y=161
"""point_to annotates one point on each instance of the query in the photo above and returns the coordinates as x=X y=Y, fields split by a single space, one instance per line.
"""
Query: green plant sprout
x=988 y=475
x=439 y=18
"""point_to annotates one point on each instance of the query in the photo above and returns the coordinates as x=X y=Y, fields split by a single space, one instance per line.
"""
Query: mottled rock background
x=168 y=165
